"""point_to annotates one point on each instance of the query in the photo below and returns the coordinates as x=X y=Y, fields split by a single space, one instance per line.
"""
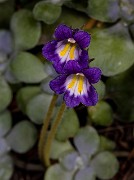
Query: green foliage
x=26 y=29
x=5 y=122
x=5 y=94
x=22 y=137
x=59 y=147
x=103 y=10
x=105 y=165
x=6 y=167
x=83 y=140
x=121 y=89
x=91 y=161
x=111 y=47
x=66 y=130
x=58 y=173
x=46 y=12
x=100 y=88
x=37 y=107
x=25 y=94
x=27 y=68
x=101 y=114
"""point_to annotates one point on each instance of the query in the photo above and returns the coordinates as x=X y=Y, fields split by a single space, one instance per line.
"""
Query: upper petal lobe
x=82 y=38
x=63 y=32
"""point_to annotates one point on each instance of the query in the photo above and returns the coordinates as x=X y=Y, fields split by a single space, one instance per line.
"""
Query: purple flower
x=76 y=84
x=70 y=44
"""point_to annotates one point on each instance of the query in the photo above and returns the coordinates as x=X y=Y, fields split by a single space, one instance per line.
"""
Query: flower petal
x=57 y=84
x=92 y=74
x=63 y=32
x=79 y=90
x=48 y=51
x=91 y=98
x=83 y=59
x=82 y=38
x=72 y=67
x=71 y=100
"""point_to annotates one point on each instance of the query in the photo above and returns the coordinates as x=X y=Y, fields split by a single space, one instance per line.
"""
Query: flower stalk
x=51 y=135
x=45 y=126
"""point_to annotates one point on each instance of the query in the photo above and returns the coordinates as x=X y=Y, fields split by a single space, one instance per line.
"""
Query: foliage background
x=25 y=95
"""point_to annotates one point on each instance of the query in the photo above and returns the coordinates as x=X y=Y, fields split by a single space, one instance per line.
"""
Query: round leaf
x=104 y=10
x=46 y=12
x=101 y=114
x=65 y=129
x=37 y=107
x=26 y=29
x=22 y=137
x=28 y=68
x=87 y=141
x=68 y=159
x=105 y=165
x=4 y=148
x=111 y=47
x=5 y=122
x=6 y=167
x=25 y=94
x=59 y=147
x=56 y=172
x=70 y=18
x=100 y=88
x=85 y=174
x=5 y=94
x=106 y=144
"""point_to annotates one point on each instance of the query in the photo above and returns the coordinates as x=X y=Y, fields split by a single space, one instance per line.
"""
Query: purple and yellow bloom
x=76 y=84
x=70 y=44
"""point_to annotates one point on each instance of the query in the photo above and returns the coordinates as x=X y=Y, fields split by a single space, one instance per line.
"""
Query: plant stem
x=45 y=126
x=51 y=135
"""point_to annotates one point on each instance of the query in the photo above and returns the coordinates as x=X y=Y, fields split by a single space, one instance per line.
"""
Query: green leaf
x=37 y=107
x=104 y=10
x=111 y=47
x=85 y=174
x=68 y=159
x=65 y=129
x=25 y=94
x=5 y=122
x=46 y=12
x=28 y=68
x=45 y=85
x=22 y=137
x=87 y=141
x=4 y=147
x=5 y=94
x=58 y=148
x=106 y=144
x=101 y=89
x=101 y=114
x=121 y=89
x=26 y=29
x=70 y=17
x=105 y=165
x=6 y=167
x=56 y=172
